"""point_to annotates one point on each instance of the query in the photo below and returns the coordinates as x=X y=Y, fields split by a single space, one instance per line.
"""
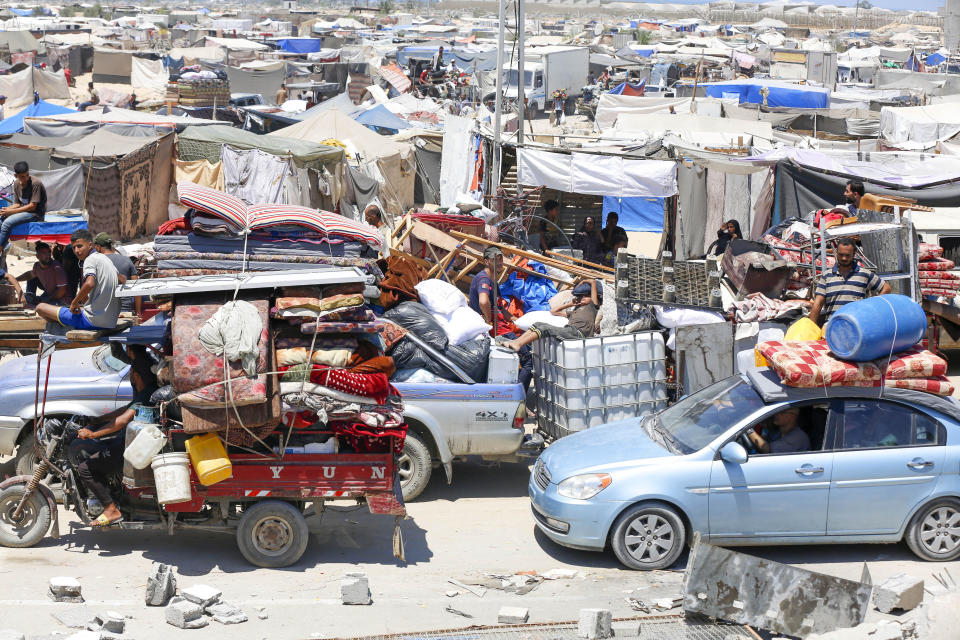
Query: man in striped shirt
x=847 y=282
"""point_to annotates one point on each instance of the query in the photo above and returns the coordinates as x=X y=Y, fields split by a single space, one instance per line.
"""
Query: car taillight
x=520 y=416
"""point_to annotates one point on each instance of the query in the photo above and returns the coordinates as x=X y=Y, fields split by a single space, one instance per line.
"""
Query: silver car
x=89 y=382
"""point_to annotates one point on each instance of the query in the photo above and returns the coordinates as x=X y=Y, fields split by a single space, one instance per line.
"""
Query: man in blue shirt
x=484 y=291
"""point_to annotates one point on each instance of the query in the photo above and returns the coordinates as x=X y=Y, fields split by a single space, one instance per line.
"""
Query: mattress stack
x=935 y=272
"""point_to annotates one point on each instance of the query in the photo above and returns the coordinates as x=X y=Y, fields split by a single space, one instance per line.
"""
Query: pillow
x=526 y=320
x=439 y=296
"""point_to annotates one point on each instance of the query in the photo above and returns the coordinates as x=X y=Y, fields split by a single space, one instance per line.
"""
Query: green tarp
x=305 y=154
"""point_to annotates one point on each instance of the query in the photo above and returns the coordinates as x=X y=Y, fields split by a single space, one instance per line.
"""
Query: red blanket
x=369 y=385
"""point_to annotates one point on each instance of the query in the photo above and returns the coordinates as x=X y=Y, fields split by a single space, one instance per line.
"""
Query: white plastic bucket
x=145 y=446
x=171 y=472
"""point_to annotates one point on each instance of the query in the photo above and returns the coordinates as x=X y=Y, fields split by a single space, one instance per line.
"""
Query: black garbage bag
x=415 y=317
x=472 y=356
x=407 y=355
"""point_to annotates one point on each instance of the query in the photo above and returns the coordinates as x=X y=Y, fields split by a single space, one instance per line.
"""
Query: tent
x=123 y=121
x=19 y=86
x=301 y=45
x=919 y=128
x=393 y=160
x=382 y=120
x=14 y=124
x=305 y=153
x=778 y=94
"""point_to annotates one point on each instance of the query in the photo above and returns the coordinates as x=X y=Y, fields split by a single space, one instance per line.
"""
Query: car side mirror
x=734 y=453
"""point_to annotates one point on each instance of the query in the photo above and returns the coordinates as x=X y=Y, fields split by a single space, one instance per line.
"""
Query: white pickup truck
x=446 y=421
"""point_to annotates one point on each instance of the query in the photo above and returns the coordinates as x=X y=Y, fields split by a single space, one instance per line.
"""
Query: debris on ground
x=901 y=592
x=202 y=595
x=626 y=629
x=477 y=591
x=65 y=589
x=738 y=587
x=226 y=613
x=513 y=615
x=595 y=624
x=161 y=585
x=666 y=604
x=638 y=605
x=355 y=589
x=450 y=609
x=185 y=614
x=75 y=617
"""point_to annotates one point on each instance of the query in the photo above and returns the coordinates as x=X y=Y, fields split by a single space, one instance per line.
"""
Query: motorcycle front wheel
x=32 y=524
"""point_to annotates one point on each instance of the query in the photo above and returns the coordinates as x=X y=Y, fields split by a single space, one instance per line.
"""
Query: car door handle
x=808 y=470
x=917 y=463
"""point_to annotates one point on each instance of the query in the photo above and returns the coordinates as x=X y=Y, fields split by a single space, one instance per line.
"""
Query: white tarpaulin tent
x=236 y=44
x=599 y=175
x=610 y=107
x=19 y=87
x=919 y=128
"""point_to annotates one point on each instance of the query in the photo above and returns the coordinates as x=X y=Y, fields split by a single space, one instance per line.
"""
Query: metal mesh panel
x=651 y=628
x=189 y=150
x=640 y=280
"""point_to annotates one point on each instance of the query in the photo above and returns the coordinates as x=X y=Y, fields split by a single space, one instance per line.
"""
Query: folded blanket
x=347 y=314
x=327 y=303
x=241 y=392
x=377 y=364
x=328 y=357
x=329 y=290
x=367 y=385
x=937 y=264
x=321 y=342
x=927 y=251
x=287 y=388
x=939 y=385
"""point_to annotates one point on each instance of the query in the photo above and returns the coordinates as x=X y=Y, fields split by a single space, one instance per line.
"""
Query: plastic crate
x=585 y=383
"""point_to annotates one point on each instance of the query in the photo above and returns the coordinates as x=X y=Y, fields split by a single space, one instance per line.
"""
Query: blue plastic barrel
x=868 y=329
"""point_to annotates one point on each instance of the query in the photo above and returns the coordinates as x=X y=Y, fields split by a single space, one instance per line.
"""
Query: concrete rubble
x=65 y=589
x=626 y=629
x=185 y=614
x=355 y=589
x=113 y=622
x=10 y=634
x=595 y=624
x=901 y=592
x=226 y=613
x=201 y=594
x=75 y=617
x=513 y=615
x=161 y=585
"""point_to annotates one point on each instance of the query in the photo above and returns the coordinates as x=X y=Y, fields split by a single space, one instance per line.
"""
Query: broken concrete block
x=75 y=617
x=161 y=585
x=185 y=614
x=355 y=589
x=201 y=594
x=65 y=589
x=10 y=634
x=899 y=592
x=513 y=615
x=560 y=574
x=113 y=622
x=226 y=613
x=595 y=624
x=626 y=629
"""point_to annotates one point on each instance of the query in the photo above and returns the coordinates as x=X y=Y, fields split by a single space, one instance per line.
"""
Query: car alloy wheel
x=940 y=530
x=649 y=538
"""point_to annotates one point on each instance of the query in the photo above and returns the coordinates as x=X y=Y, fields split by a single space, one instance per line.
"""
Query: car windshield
x=104 y=361
x=699 y=418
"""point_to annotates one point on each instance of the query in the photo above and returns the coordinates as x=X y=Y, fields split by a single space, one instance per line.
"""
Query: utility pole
x=498 y=102
x=856 y=13
x=521 y=79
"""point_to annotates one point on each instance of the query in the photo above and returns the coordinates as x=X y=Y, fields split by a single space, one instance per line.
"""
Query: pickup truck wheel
x=26 y=459
x=34 y=520
x=272 y=534
x=414 y=466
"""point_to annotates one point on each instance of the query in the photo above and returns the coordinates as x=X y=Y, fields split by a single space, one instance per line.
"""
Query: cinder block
x=161 y=585
x=595 y=624
x=355 y=589
x=513 y=615
x=226 y=613
x=626 y=629
x=202 y=595
x=65 y=589
x=185 y=614
x=902 y=592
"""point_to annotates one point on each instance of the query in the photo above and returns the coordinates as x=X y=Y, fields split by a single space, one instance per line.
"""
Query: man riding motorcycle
x=97 y=452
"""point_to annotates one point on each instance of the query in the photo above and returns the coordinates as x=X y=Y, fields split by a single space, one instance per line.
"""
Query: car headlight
x=584 y=487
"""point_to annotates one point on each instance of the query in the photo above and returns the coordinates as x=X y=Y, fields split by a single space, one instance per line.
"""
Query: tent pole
x=498 y=101
x=86 y=185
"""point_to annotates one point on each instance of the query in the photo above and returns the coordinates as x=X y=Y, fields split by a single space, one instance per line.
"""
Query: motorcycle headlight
x=585 y=486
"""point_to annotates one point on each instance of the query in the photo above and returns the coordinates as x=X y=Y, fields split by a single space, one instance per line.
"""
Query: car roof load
x=771 y=389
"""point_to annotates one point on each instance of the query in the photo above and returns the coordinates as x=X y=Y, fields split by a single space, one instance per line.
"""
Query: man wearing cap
x=3 y=101
x=484 y=288
x=582 y=316
x=29 y=205
x=103 y=243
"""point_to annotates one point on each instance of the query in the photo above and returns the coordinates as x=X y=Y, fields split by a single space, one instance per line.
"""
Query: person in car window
x=786 y=436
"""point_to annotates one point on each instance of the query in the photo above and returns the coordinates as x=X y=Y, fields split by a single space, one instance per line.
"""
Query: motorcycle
x=28 y=506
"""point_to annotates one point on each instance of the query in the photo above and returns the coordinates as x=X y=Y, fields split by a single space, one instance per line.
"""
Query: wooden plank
x=19 y=323
x=82 y=335
x=569 y=268
x=30 y=344
x=433 y=236
x=592 y=265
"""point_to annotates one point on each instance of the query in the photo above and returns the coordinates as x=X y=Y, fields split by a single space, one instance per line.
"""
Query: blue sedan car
x=869 y=466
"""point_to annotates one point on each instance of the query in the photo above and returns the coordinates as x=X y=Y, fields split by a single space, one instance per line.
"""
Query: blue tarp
x=534 y=292
x=381 y=118
x=629 y=89
x=935 y=59
x=301 y=45
x=636 y=214
x=14 y=124
x=782 y=94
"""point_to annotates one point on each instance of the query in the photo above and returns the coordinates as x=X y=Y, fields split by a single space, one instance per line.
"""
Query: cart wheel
x=34 y=520
x=272 y=534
